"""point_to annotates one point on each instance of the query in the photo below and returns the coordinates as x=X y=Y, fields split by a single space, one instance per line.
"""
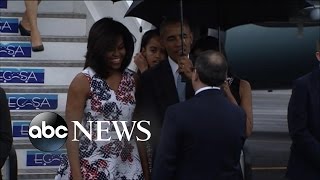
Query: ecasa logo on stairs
x=38 y=158
x=20 y=129
x=15 y=50
x=32 y=101
x=17 y=75
x=3 y=4
x=9 y=25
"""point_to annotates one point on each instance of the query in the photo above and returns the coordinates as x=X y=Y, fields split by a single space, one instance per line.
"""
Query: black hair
x=173 y=20
x=211 y=67
x=211 y=43
x=147 y=36
x=206 y=43
x=103 y=37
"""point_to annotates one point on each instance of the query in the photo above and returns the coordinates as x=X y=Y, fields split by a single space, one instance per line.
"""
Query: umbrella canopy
x=224 y=14
x=115 y=1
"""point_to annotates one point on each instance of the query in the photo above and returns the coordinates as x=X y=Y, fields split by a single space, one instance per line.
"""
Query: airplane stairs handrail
x=11 y=166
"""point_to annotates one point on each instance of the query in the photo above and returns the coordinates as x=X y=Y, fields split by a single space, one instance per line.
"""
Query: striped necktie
x=181 y=88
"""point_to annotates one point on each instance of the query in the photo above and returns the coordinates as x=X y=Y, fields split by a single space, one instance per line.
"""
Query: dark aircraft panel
x=271 y=57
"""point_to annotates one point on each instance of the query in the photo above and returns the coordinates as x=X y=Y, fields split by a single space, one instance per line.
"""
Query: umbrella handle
x=181 y=26
x=183 y=76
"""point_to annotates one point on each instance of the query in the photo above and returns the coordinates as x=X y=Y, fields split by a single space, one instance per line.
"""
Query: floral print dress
x=112 y=159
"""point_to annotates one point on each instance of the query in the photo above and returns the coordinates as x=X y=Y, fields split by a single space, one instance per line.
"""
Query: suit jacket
x=304 y=127
x=5 y=128
x=155 y=92
x=201 y=139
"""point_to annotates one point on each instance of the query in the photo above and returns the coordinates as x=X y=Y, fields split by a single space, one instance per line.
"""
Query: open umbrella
x=222 y=14
x=115 y=1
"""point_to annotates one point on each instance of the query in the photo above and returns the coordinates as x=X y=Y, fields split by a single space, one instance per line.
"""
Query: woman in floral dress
x=103 y=91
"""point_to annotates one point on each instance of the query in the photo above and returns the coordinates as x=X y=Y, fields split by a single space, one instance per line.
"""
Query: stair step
x=26 y=144
x=45 y=6
x=23 y=144
x=37 y=102
x=48 y=24
x=36 y=89
x=41 y=63
x=18 y=116
x=267 y=150
x=33 y=163
x=33 y=157
x=48 y=15
x=20 y=125
x=79 y=39
x=270 y=110
x=42 y=174
x=29 y=76
x=57 y=48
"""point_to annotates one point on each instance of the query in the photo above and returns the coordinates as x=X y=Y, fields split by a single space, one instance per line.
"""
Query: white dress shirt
x=205 y=88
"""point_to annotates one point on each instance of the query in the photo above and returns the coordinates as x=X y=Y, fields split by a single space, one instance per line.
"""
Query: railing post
x=10 y=168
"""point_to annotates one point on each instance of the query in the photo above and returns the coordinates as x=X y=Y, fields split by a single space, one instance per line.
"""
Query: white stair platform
x=270 y=110
x=28 y=76
x=55 y=47
x=45 y=6
x=28 y=116
x=50 y=24
x=35 y=159
x=36 y=102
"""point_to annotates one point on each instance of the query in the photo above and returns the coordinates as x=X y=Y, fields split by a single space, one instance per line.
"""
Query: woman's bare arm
x=77 y=96
x=246 y=104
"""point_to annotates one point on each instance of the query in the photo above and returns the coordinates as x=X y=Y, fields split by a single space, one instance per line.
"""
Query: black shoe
x=23 y=31
x=38 y=48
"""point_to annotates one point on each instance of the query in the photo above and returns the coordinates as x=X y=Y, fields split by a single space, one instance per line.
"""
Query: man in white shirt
x=202 y=138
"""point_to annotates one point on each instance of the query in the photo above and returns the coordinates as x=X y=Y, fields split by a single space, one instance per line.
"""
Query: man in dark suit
x=160 y=86
x=304 y=126
x=5 y=128
x=202 y=138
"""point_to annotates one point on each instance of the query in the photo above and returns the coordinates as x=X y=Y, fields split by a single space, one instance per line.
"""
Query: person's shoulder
x=2 y=93
x=2 y=90
x=129 y=72
x=154 y=71
x=80 y=83
x=88 y=72
x=185 y=106
x=302 y=79
x=244 y=83
x=244 y=87
x=157 y=68
x=176 y=110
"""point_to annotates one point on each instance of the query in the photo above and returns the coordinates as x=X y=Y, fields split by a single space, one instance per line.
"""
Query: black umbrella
x=115 y=1
x=224 y=14
x=218 y=14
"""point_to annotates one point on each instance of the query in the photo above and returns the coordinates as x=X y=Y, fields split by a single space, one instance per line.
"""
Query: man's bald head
x=211 y=67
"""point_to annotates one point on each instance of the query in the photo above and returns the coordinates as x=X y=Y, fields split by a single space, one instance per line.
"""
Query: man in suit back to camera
x=202 y=138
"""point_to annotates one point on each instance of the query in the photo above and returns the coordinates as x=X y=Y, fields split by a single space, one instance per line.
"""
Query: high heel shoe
x=38 y=48
x=23 y=31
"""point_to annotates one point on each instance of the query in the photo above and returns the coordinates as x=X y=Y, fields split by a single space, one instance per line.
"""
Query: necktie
x=181 y=88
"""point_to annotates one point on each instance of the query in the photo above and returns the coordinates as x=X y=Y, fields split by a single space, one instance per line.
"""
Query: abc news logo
x=48 y=131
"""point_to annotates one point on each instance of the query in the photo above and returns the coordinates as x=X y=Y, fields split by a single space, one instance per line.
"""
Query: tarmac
x=268 y=148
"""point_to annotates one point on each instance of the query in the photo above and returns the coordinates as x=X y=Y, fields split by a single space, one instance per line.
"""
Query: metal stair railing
x=10 y=168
